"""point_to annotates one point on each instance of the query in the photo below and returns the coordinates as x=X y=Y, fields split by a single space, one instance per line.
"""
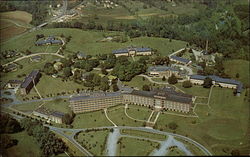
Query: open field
x=86 y=41
x=13 y=23
x=195 y=90
x=27 y=107
x=232 y=67
x=91 y=119
x=143 y=134
x=225 y=123
x=135 y=147
x=55 y=85
x=61 y=105
x=94 y=141
x=138 y=112
x=27 y=68
x=117 y=115
x=26 y=145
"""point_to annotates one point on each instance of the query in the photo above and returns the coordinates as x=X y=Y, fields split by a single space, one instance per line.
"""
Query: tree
x=237 y=75
x=115 y=88
x=146 y=88
x=104 y=84
x=186 y=84
x=104 y=71
x=235 y=152
x=172 y=79
x=163 y=78
x=208 y=82
x=67 y=72
x=172 y=126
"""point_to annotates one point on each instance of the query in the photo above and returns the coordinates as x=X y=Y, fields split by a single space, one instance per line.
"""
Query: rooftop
x=15 y=81
x=219 y=79
x=162 y=68
x=139 y=49
x=29 y=78
x=95 y=95
x=166 y=93
x=183 y=60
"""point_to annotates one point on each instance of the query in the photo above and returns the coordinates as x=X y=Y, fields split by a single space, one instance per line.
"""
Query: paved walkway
x=112 y=142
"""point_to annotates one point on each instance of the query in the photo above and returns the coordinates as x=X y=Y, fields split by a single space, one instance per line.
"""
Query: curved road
x=201 y=147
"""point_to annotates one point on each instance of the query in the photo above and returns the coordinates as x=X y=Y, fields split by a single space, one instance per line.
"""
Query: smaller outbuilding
x=13 y=83
x=35 y=58
x=81 y=55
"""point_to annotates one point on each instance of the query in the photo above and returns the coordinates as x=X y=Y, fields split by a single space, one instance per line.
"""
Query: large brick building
x=95 y=101
x=27 y=84
x=132 y=51
x=165 y=98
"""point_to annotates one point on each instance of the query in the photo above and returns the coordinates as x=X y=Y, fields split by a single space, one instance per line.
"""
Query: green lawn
x=86 y=41
x=143 y=134
x=138 y=112
x=94 y=141
x=27 y=68
x=196 y=90
x=137 y=82
x=232 y=67
x=226 y=122
x=27 y=146
x=61 y=105
x=27 y=106
x=118 y=116
x=91 y=119
x=135 y=147
x=55 y=85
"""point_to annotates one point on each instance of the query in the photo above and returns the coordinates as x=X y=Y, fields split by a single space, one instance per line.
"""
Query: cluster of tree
x=172 y=79
x=39 y=36
x=8 y=124
x=161 y=60
x=69 y=118
x=187 y=84
x=6 y=142
x=94 y=80
x=48 y=142
x=126 y=70
x=88 y=65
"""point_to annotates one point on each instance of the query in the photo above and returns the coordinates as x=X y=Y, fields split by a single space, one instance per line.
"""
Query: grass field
x=138 y=112
x=26 y=107
x=91 y=119
x=195 y=90
x=27 y=68
x=27 y=146
x=61 y=105
x=232 y=67
x=135 y=147
x=86 y=41
x=118 y=116
x=56 y=85
x=225 y=123
x=13 y=23
x=143 y=134
x=94 y=141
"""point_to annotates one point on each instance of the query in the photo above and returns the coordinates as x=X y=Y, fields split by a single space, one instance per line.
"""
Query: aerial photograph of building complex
x=124 y=78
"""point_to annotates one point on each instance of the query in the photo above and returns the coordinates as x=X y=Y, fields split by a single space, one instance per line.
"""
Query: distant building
x=162 y=99
x=160 y=71
x=180 y=60
x=49 y=41
x=35 y=58
x=133 y=52
x=13 y=83
x=12 y=53
x=27 y=85
x=10 y=67
x=50 y=115
x=218 y=81
x=81 y=55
